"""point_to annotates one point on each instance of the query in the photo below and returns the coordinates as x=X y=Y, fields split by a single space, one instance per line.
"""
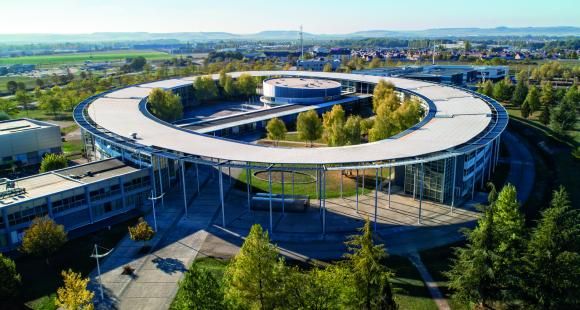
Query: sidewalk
x=174 y=247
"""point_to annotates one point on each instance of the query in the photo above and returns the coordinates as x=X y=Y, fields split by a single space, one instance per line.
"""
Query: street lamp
x=153 y=199
x=96 y=256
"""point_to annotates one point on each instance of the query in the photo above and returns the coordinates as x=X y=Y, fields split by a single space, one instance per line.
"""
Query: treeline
x=506 y=265
x=558 y=107
x=259 y=278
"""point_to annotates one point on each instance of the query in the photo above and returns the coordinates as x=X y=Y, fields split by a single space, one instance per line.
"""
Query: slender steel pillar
x=249 y=189
x=421 y=192
x=160 y=180
x=292 y=182
x=390 y=187
x=197 y=177
x=341 y=177
x=323 y=189
x=230 y=173
x=183 y=185
x=283 y=196
x=221 y=183
x=376 y=196
x=415 y=181
x=454 y=180
x=356 y=190
x=363 y=182
x=270 y=200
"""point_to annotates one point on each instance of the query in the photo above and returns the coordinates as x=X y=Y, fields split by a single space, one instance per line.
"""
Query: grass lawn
x=72 y=147
x=28 y=81
x=40 y=281
x=85 y=56
x=410 y=291
x=260 y=183
x=42 y=115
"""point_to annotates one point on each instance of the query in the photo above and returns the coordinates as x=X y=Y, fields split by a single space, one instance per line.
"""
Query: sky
x=251 y=16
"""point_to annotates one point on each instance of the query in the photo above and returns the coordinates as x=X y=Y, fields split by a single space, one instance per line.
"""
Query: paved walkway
x=429 y=282
x=175 y=246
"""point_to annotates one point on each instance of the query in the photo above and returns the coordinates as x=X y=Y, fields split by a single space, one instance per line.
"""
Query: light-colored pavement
x=175 y=246
x=429 y=282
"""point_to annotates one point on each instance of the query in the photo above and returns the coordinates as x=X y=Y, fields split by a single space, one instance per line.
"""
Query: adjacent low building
x=317 y=64
x=80 y=197
x=24 y=142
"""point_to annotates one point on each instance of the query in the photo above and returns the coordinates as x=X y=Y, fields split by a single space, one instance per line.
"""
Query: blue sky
x=250 y=16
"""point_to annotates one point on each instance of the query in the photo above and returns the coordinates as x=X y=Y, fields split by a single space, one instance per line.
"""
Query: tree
x=52 y=161
x=488 y=269
x=525 y=110
x=74 y=295
x=9 y=107
x=384 y=93
x=545 y=115
x=43 y=237
x=520 y=92
x=548 y=97
x=205 y=88
x=552 y=259
x=165 y=104
x=502 y=90
x=486 y=88
x=353 y=130
x=565 y=114
x=141 y=232
x=276 y=129
x=12 y=86
x=327 y=68
x=10 y=281
x=533 y=99
x=254 y=276
x=247 y=85
x=369 y=277
x=4 y=116
x=333 y=126
x=198 y=290
x=138 y=63
x=309 y=126
x=50 y=103
x=319 y=288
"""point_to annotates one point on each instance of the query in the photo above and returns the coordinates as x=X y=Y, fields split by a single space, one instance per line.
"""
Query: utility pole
x=96 y=256
x=153 y=199
x=301 y=44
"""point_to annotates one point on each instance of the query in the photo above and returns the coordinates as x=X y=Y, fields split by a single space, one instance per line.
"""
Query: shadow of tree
x=169 y=265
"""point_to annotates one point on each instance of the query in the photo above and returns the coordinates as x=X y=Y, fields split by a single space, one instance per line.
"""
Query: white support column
x=270 y=196
x=341 y=182
x=249 y=188
x=160 y=180
x=454 y=179
x=183 y=185
x=323 y=189
x=363 y=182
x=376 y=196
x=292 y=182
x=421 y=192
x=390 y=174
x=415 y=181
x=356 y=190
x=283 y=196
x=221 y=183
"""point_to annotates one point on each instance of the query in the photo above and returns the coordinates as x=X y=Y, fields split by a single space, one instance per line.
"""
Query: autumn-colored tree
x=141 y=232
x=43 y=237
x=74 y=295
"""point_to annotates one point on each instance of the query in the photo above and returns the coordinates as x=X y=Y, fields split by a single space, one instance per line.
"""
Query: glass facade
x=437 y=180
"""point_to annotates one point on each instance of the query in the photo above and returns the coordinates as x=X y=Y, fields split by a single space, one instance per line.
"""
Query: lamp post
x=96 y=256
x=153 y=199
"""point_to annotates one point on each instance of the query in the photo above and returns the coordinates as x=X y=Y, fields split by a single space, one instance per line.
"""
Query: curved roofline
x=460 y=120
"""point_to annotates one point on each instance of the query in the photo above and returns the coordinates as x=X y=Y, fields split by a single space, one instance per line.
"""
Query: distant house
x=317 y=64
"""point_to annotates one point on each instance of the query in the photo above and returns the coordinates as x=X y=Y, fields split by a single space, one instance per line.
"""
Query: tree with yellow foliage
x=74 y=295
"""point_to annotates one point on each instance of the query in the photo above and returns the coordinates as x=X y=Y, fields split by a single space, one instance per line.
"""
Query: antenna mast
x=433 y=53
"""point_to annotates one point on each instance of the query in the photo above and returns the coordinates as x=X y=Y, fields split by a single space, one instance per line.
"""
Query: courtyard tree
x=53 y=161
x=353 y=130
x=276 y=129
x=552 y=260
x=247 y=85
x=368 y=275
x=254 y=277
x=141 y=232
x=74 y=294
x=205 y=88
x=384 y=93
x=165 y=104
x=333 y=126
x=198 y=290
x=309 y=126
x=327 y=68
x=10 y=281
x=43 y=238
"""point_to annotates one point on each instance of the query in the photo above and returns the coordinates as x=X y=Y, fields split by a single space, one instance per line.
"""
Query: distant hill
x=286 y=35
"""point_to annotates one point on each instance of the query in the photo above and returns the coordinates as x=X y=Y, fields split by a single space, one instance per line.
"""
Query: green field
x=82 y=57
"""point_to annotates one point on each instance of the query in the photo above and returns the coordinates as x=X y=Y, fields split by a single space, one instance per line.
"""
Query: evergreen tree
x=533 y=99
x=520 y=92
x=486 y=88
x=10 y=281
x=525 y=110
x=553 y=257
x=548 y=97
x=369 y=277
x=545 y=115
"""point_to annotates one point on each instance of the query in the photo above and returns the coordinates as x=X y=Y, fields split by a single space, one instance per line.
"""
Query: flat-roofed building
x=76 y=197
x=24 y=142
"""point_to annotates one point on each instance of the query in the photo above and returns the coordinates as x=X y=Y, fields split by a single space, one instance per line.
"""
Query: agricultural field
x=82 y=57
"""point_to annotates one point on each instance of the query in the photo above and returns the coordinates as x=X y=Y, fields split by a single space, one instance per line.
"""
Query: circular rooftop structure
x=300 y=90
